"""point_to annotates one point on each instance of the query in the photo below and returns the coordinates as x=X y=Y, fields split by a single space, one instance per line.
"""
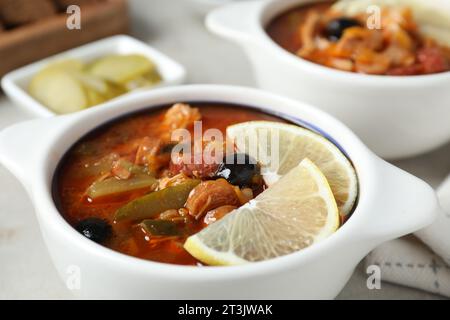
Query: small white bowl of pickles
x=90 y=75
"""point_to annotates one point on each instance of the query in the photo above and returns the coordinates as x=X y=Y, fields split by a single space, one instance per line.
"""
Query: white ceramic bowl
x=15 y=84
x=395 y=116
x=391 y=203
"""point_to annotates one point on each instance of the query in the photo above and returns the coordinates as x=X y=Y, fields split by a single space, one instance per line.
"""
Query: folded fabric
x=423 y=265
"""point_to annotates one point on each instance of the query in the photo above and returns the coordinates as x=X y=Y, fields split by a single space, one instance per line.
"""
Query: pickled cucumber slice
x=433 y=20
x=122 y=69
x=59 y=91
x=114 y=186
x=154 y=203
x=67 y=64
x=69 y=85
x=98 y=89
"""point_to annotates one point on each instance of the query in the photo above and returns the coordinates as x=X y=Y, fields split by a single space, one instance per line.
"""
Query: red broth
x=121 y=138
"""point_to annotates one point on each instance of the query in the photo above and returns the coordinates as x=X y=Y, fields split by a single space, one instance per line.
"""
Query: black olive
x=238 y=169
x=335 y=28
x=95 y=229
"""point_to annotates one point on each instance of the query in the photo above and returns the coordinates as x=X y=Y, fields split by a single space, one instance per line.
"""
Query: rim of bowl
x=271 y=9
x=366 y=178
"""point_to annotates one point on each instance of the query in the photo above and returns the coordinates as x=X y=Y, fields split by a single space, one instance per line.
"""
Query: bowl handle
x=405 y=204
x=20 y=145
x=234 y=21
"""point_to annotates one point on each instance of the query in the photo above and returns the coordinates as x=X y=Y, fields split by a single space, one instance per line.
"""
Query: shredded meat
x=187 y=165
x=181 y=116
x=210 y=195
x=397 y=48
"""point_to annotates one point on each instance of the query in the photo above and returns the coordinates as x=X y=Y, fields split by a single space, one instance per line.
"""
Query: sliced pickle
x=67 y=86
x=160 y=228
x=148 y=80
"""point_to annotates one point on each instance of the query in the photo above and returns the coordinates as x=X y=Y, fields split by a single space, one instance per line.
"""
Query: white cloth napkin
x=423 y=265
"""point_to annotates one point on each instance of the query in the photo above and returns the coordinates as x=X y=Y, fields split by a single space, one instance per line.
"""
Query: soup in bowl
x=120 y=196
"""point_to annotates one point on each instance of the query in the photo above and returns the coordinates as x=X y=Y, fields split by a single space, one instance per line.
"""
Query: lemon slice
x=279 y=147
x=295 y=213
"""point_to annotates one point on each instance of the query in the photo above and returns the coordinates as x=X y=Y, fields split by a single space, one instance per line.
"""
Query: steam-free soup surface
x=134 y=153
x=327 y=35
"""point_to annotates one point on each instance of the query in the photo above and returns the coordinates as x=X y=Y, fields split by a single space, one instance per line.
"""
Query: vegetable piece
x=217 y=214
x=59 y=91
x=156 y=202
x=122 y=69
x=433 y=60
x=335 y=28
x=114 y=186
x=185 y=164
x=210 y=195
x=162 y=228
x=95 y=229
x=238 y=170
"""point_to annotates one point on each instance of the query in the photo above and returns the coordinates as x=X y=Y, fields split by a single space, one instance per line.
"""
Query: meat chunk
x=145 y=148
x=186 y=165
x=149 y=153
x=210 y=195
x=181 y=116
x=14 y=13
x=217 y=214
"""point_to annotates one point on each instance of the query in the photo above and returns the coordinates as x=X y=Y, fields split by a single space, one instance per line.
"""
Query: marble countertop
x=176 y=28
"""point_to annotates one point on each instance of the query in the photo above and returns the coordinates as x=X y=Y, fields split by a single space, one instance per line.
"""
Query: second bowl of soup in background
x=391 y=203
x=397 y=117
x=16 y=84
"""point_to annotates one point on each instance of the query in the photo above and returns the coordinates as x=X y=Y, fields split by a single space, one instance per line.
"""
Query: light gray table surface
x=176 y=28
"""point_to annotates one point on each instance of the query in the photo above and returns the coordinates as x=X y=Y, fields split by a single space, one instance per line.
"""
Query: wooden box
x=34 y=41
